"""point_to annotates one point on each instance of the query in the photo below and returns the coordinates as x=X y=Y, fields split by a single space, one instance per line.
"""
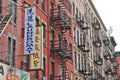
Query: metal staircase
x=60 y=17
x=64 y=70
x=4 y=21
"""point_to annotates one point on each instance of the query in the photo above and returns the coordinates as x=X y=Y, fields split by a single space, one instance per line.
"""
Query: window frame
x=43 y=5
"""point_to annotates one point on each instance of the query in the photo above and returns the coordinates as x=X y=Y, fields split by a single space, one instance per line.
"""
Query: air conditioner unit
x=44 y=78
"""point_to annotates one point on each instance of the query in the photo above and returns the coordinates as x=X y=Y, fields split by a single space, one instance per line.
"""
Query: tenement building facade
x=93 y=48
x=54 y=40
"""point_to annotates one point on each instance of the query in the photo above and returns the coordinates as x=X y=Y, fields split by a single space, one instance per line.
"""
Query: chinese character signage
x=36 y=59
x=10 y=73
x=30 y=23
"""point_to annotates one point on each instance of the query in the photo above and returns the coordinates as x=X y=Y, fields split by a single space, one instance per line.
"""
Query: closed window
x=36 y=74
x=75 y=60
x=43 y=5
x=13 y=10
x=78 y=41
x=79 y=61
x=36 y=1
x=74 y=34
x=37 y=22
x=44 y=69
x=76 y=12
x=0 y=6
x=73 y=7
x=44 y=33
x=52 y=71
x=11 y=50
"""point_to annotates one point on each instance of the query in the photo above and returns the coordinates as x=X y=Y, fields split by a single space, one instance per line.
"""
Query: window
x=36 y=74
x=13 y=10
x=75 y=60
x=60 y=71
x=52 y=35
x=52 y=71
x=59 y=39
x=0 y=6
x=52 y=7
x=78 y=38
x=52 y=38
x=79 y=16
x=79 y=61
x=74 y=34
x=71 y=47
x=71 y=76
x=43 y=5
x=37 y=22
x=76 y=12
x=36 y=1
x=52 y=68
x=44 y=33
x=11 y=50
x=44 y=68
x=73 y=7
x=26 y=61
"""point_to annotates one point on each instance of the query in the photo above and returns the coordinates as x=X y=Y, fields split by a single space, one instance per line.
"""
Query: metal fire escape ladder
x=4 y=21
x=60 y=18
x=64 y=70
x=64 y=25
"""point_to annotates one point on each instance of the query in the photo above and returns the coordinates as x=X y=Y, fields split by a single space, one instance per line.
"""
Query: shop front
x=10 y=73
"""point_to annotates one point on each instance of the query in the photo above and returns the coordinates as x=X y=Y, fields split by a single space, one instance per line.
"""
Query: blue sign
x=30 y=23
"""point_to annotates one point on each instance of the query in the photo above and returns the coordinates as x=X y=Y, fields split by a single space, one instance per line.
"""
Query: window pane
x=0 y=6
x=43 y=30
x=36 y=75
x=36 y=1
x=43 y=5
x=44 y=69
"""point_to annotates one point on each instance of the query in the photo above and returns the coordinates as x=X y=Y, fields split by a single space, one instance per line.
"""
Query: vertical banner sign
x=30 y=23
x=36 y=59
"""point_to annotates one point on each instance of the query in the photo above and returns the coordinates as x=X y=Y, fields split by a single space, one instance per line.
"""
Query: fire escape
x=83 y=44
x=59 y=17
x=4 y=20
x=96 y=75
x=96 y=39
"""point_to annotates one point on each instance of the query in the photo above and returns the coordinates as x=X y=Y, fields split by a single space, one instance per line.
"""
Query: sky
x=109 y=10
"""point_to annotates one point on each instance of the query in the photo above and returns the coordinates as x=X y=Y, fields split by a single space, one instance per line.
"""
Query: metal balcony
x=106 y=41
x=108 y=70
x=82 y=24
x=114 y=72
x=107 y=55
x=82 y=68
x=97 y=42
x=96 y=25
x=60 y=48
x=87 y=70
x=81 y=45
x=97 y=76
x=98 y=60
x=61 y=17
x=113 y=59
